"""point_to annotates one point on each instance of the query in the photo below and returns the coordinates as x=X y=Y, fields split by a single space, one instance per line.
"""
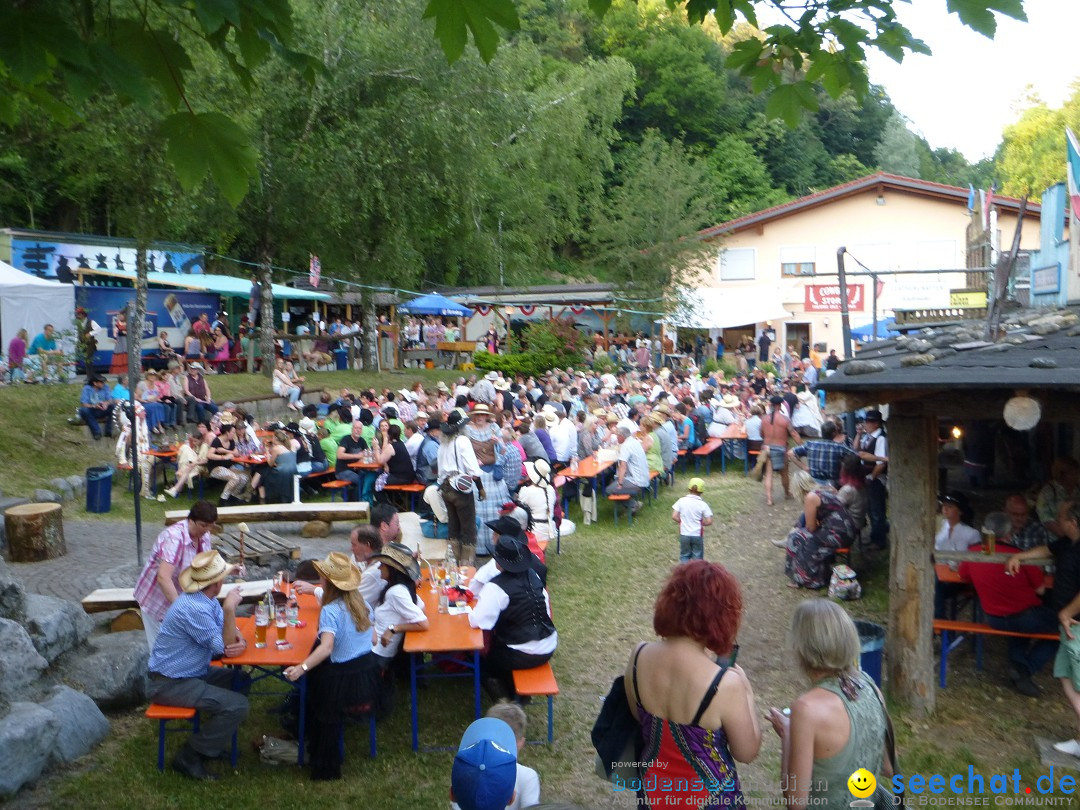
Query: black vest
x=526 y=617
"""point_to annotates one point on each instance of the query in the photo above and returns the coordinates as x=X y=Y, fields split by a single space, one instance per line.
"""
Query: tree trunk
x=266 y=319
x=35 y=531
x=371 y=333
x=912 y=488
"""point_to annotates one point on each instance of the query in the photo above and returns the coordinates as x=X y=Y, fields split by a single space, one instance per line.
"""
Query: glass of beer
x=282 y=624
x=262 y=621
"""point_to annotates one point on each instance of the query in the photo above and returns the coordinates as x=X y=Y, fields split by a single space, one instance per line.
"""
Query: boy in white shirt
x=527 y=788
x=693 y=515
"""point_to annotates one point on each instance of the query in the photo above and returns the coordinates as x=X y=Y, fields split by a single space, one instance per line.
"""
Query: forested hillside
x=586 y=148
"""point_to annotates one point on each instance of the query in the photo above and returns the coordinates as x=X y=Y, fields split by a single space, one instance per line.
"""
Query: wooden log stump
x=35 y=531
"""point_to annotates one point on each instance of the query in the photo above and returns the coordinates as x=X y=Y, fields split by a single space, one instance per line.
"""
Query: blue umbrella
x=434 y=304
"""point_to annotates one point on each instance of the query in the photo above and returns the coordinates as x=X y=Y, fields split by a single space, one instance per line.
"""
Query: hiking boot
x=1023 y=684
x=190 y=763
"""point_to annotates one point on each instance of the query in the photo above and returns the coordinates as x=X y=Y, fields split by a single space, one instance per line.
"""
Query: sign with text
x=826 y=298
x=967 y=299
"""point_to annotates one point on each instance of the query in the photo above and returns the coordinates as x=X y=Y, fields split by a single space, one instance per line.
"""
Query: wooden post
x=912 y=494
x=35 y=531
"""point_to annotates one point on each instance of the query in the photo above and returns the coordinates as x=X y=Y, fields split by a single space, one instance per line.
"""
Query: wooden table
x=734 y=432
x=588 y=468
x=445 y=635
x=369 y=466
x=162 y=456
x=456 y=348
x=273 y=512
x=270 y=662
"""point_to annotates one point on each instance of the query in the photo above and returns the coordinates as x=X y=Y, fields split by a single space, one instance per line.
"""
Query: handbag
x=616 y=734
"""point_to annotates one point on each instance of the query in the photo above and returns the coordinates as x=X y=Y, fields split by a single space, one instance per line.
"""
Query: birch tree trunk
x=266 y=325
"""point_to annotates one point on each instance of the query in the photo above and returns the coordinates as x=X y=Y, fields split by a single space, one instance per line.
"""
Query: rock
x=315 y=528
x=112 y=672
x=77 y=484
x=81 y=723
x=12 y=595
x=917 y=360
x=855 y=367
x=62 y=488
x=918 y=346
x=46 y=496
x=55 y=625
x=20 y=664
x=944 y=351
x=1043 y=362
x=27 y=736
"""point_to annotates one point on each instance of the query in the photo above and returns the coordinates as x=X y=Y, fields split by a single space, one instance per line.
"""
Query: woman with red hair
x=697 y=715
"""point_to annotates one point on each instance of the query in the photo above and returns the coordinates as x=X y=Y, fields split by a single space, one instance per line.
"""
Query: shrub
x=547 y=345
x=603 y=364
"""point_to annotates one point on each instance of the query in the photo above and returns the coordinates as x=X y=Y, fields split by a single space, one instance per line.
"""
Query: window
x=797 y=261
x=737 y=264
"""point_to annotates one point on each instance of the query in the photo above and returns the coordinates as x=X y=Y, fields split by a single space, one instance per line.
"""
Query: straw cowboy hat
x=550 y=418
x=338 y=569
x=400 y=559
x=539 y=472
x=206 y=568
x=405 y=393
x=480 y=409
x=491 y=376
x=501 y=385
x=441 y=386
x=227 y=418
x=729 y=401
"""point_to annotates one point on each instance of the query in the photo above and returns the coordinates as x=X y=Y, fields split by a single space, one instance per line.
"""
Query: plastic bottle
x=450 y=563
x=444 y=599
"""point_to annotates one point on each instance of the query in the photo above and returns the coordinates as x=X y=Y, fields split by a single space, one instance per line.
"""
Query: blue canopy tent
x=864 y=332
x=435 y=304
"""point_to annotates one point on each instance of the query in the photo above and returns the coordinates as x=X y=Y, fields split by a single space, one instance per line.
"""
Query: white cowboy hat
x=539 y=472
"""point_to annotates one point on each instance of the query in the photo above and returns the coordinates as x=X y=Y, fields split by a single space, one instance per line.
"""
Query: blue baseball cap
x=485 y=767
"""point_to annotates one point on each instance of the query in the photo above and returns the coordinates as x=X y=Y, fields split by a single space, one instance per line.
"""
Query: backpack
x=700 y=429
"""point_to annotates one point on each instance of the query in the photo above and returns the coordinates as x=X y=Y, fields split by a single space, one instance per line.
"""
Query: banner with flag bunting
x=314 y=269
x=1073 y=169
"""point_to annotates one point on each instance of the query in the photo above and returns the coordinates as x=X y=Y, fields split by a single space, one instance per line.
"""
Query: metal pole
x=844 y=320
x=874 y=281
x=501 y=282
x=133 y=380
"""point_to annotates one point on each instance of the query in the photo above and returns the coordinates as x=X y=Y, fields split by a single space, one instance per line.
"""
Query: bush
x=603 y=364
x=547 y=345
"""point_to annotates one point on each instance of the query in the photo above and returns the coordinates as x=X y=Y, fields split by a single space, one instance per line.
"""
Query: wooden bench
x=278 y=512
x=621 y=501
x=947 y=627
x=706 y=450
x=412 y=490
x=539 y=681
x=166 y=714
x=106 y=599
x=334 y=486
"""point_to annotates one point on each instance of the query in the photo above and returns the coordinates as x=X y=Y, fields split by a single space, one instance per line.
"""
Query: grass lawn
x=603 y=586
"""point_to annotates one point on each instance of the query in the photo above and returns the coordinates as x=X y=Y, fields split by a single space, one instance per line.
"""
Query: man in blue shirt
x=96 y=405
x=45 y=353
x=196 y=629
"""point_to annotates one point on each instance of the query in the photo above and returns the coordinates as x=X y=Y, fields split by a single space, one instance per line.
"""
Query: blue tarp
x=864 y=332
x=434 y=304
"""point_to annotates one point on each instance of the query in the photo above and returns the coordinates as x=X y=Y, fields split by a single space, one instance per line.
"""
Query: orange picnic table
x=445 y=637
x=271 y=662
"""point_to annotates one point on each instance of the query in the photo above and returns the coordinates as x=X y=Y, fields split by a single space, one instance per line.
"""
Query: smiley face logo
x=862 y=783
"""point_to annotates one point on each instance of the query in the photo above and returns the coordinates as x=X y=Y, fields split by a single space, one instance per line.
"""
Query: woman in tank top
x=839 y=725
x=697 y=716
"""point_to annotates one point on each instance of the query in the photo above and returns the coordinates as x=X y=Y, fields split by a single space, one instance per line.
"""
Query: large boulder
x=20 y=665
x=46 y=496
x=62 y=488
x=112 y=671
x=12 y=595
x=77 y=484
x=27 y=736
x=82 y=725
x=55 y=625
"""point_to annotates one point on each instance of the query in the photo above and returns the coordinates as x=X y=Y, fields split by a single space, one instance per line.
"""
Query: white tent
x=28 y=302
x=712 y=308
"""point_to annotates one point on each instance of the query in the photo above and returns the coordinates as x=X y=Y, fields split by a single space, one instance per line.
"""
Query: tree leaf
x=198 y=142
x=213 y=14
x=157 y=55
x=450 y=28
x=599 y=7
x=28 y=40
x=501 y=12
x=785 y=102
x=975 y=14
x=485 y=37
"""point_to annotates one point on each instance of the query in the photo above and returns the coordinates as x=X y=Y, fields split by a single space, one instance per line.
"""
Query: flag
x=971 y=197
x=314 y=270
x=986 y=208
x=982 y=207
x=1074 y=172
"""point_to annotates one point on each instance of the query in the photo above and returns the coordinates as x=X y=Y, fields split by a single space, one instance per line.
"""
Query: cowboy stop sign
x=826 y=298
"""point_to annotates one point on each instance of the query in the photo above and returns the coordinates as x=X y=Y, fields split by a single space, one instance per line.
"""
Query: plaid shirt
x=1032 y=535
x=823 y=458
x=174 y=546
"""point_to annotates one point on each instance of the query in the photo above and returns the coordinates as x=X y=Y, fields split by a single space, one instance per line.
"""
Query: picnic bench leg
x=161 y=745
x=746 y=457
x=412 y=692
x=476 y=683
x=943 y=668
x=723 y=459
x=551 y=719
x=303 y=720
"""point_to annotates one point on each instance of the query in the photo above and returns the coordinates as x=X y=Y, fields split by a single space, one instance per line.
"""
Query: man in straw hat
x=196 y=629
x=515 y=607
